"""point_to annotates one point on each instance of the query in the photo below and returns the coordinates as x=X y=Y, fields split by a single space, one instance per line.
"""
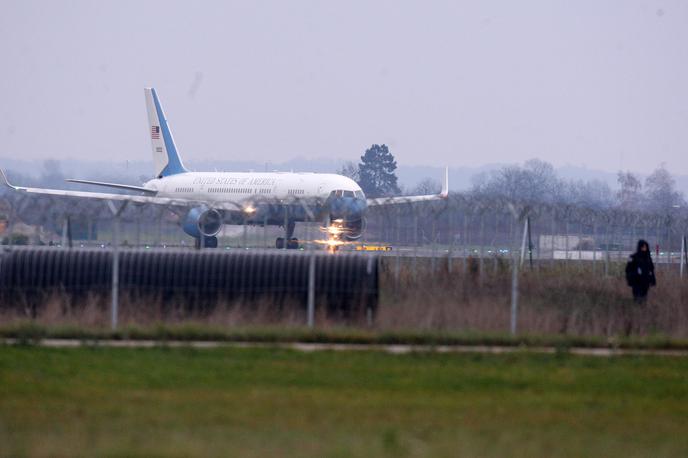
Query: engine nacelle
x=350 y=229
x=346 y=213
x=202 y=221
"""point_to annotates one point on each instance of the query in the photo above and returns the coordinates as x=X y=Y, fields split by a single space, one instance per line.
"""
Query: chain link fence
x=464 y=263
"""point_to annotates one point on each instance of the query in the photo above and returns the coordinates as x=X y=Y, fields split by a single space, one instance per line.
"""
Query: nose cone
x=348 y=207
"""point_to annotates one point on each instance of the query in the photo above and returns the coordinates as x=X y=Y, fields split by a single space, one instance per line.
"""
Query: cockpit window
x=341 y=193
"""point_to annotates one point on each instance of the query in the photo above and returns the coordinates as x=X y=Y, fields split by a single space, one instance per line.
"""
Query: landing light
x=331 y=244
x=249 y=209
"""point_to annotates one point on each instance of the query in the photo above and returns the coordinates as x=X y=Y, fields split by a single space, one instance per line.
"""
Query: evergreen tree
x=376 y=172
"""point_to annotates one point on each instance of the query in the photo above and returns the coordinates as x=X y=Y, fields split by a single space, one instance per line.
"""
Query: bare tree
x=52 y=175
x=594 y=194
x=660 y=191
x=535 y=181
x=351 y=170
x=629 y=194
x=427 y=186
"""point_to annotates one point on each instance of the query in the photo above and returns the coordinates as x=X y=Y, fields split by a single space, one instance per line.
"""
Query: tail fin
x=165 y=157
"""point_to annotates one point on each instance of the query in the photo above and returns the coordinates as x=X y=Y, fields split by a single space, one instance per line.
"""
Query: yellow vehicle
x=373 y=248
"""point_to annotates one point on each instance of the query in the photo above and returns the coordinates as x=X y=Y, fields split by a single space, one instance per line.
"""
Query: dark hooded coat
x=640 y=271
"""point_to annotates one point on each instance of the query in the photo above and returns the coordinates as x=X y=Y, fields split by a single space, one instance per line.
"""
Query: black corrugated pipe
x=345 y=283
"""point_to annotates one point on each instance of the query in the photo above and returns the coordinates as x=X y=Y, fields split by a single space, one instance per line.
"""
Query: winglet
x=445 y=186
x=5 y=180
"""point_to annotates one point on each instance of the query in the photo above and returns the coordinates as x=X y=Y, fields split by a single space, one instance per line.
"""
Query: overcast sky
x=597 y=83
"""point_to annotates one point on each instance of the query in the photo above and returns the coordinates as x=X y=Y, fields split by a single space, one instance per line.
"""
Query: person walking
x=640 y=272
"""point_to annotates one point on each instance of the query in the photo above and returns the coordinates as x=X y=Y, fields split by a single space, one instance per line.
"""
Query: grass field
x=268 y=402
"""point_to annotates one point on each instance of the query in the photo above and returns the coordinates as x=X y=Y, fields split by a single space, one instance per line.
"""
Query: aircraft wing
x=396 y=200
x=166 y=201
x=126 y=187
x=444 y=194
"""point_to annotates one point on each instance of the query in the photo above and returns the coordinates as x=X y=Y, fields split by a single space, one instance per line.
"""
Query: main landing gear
x=292 y=243
x=208 y=242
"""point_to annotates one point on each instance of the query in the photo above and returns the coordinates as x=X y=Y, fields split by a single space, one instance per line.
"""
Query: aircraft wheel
x=293 y=244
x=210 y=242
x=279 y=243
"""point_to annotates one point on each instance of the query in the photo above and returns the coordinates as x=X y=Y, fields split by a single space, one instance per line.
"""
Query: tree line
x=537 y=181
x=534 y=181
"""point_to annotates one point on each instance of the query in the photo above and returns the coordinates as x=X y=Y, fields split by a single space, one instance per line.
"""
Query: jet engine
x=202 y=221
x=346 y=212
x=353 y=229
x=346 y=229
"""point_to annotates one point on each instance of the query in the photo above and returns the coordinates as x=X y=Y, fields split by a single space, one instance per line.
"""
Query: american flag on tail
x=155 y=132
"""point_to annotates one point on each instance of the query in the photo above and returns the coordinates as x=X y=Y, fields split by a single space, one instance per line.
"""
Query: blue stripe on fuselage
x=174 y=163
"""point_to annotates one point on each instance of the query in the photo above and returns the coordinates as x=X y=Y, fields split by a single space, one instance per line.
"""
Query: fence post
x=554 y=232
x=514 y=292
x=433 y=246
x=683 y=255
x=244 y=235
x=369 y=309
x=64 y=233
x=581 y=231
x=397 y=270
x=495 y=245
x=265 y=230
x=286 y=225
x=465 y=239
x=594 y=244
x=10 y=224
x=606 y=251
x=523 y=243
x=566 y=241
x=311 y=289
x=668 y=242
x=530 y=244
x=481 y=236
x=450 y=252
x=114 y=306
x=415 y=242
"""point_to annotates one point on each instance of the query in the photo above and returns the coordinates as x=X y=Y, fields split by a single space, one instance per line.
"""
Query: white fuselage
x=249 y=186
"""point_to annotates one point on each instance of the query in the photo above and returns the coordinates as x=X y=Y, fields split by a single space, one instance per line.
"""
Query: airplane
x=205 y=201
